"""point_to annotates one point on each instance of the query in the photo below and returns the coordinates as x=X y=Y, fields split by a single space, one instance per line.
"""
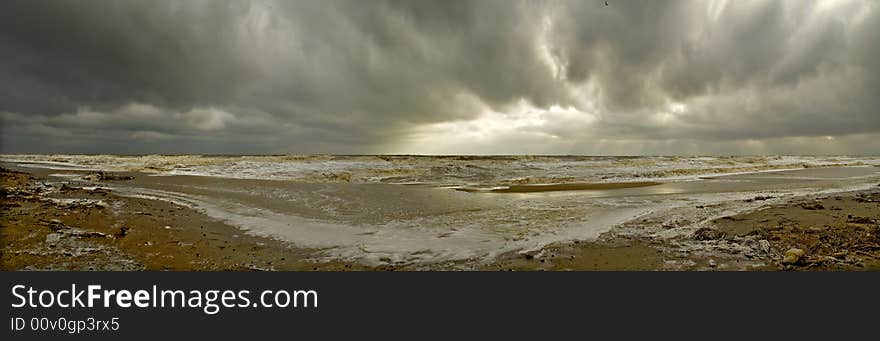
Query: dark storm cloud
x=368 y=76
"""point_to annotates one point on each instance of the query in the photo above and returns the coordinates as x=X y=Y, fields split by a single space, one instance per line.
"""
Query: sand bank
x=561 y=187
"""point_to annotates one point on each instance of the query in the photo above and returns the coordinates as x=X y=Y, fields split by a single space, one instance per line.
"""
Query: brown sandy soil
x=840 y=232
x=582 y=256
x=103 y=231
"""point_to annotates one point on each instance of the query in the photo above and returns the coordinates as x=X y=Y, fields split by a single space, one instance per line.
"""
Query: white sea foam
x=424 y=240
x=440 y=171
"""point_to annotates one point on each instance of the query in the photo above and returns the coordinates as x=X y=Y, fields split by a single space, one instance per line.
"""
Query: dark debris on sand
x=845 y=237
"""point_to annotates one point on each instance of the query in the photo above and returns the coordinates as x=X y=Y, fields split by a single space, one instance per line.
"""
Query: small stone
x=792 y=256
x=813 y=207
x=706 y=233
x=53 y=238
x=764 y=245
x=859 y=220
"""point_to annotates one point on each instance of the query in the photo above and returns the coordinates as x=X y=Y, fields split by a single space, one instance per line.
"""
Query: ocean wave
x=452 y=170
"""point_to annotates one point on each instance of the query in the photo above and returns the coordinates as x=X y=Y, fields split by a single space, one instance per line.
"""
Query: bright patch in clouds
x=489 y=132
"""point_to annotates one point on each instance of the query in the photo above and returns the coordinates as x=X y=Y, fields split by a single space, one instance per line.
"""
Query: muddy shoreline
x=46 y=226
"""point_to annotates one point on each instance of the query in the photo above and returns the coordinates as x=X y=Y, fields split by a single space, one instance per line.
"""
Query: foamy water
x=357 y=208
x=440 y=170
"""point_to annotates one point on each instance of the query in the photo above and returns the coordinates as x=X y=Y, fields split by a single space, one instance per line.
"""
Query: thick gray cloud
x=573 y=77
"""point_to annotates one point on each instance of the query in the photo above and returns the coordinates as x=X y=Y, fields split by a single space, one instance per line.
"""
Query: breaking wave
x=473 y=171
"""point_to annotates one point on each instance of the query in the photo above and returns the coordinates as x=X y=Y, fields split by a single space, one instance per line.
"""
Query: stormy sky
x=452 y=77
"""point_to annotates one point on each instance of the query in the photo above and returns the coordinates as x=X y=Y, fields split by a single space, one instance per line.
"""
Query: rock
x=55 y=224
x=759 y=198
x=92 y=177
x=764 y=245
x=792 y=256
x=706 y=233
x=859 y=220
x=813 y=207
x=117 y=177
x=53 y=238
x=87 y=234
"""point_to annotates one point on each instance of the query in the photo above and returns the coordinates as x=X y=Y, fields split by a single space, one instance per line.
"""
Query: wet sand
x=123 y=233
x=835 y=233
x=563 y=187
x=47 y=226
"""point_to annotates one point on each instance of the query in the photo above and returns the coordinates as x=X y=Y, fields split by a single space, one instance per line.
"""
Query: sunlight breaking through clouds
x=452 y=77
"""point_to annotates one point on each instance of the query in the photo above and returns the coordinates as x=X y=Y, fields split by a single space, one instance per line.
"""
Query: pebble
x=706 y=233
x=764 y=245
x=53 y=238
x=792 y=256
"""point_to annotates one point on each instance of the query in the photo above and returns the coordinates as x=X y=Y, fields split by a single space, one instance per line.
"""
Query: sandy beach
x=94 y=229
x=83 y=220
x=840 y=232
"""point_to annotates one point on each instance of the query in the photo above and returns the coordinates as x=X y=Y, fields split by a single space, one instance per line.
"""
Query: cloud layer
x=559 y=77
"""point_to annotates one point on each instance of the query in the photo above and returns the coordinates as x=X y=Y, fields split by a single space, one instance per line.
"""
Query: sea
x=430 y=210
